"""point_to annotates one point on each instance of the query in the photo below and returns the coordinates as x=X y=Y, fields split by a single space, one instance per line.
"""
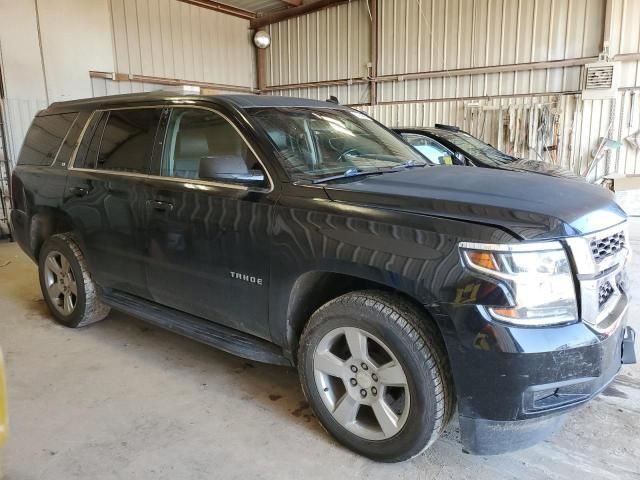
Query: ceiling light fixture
x=261 y=39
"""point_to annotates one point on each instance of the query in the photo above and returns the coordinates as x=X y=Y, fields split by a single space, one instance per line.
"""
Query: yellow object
x=3 y=404
x=483 y=259
x=507 y=312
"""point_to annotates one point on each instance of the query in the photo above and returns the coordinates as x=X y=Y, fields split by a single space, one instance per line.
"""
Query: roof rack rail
x=448 y=127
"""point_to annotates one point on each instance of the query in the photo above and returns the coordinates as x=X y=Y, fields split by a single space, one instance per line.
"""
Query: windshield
x=318 y=143
x=476 y=148
x=431 y=149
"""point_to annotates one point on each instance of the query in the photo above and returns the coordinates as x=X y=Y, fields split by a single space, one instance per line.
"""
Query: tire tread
x=94 y=310
x=425 y=341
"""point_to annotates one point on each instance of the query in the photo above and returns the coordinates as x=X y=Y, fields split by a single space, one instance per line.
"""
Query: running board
x=203 y=331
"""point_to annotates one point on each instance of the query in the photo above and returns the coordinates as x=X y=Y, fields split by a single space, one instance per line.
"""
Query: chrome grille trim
x=604 y=292
x=604 y=247
x=600 y=273
x=586 y=263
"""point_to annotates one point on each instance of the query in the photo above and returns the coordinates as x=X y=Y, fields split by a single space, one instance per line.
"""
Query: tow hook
x=628 y=340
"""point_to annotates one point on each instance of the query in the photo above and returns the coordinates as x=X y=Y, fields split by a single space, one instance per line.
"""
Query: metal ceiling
x=264 y=12
x=258 y=6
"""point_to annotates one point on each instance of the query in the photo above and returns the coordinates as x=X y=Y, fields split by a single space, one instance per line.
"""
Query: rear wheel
x=375 y=372
x=66 y=284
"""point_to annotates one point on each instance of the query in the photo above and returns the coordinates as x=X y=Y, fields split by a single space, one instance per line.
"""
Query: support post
x=261 y=74
x=373 y=89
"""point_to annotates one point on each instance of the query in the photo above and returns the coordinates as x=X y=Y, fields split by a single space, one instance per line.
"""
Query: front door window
x=203 y=145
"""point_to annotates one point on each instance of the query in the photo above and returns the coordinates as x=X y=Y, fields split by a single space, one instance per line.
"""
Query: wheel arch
x=312 y=289
x=45 y=223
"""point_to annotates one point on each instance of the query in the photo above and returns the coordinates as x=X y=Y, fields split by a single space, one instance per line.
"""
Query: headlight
x=536 y=278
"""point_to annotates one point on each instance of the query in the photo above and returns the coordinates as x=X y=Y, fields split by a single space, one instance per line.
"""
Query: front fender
x=408 y=253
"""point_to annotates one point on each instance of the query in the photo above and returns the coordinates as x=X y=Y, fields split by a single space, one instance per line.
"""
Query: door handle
x=79 y=191
x=160 y=205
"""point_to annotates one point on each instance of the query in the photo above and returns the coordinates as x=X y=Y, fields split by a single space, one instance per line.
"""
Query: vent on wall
x=599 y=75
x=601 y=80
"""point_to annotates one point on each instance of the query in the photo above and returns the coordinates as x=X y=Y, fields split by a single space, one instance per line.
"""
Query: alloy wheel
x=362 y=383
x=60 y=283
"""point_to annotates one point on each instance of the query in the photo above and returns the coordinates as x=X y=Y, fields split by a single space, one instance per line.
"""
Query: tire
x=64 y=276
x=396 y=334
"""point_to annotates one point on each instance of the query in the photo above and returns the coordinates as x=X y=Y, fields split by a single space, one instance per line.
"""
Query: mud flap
x=493 y=437
x=628 y=350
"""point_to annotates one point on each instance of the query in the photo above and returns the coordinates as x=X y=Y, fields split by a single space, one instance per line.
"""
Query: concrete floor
x=121 y=400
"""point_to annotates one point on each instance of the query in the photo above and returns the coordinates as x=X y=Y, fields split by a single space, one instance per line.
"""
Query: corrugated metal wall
x=625 y=38
x=437 y=35
x=158 y=38
x=442 y=36
x=628 y=123
x=40 y=62
x=18 y=114
x=171 y=39
x=325 y=45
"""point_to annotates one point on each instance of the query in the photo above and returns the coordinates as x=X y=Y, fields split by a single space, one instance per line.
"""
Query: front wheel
x=374 y=369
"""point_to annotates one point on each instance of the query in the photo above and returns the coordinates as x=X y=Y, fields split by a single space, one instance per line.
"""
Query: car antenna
x=333 y=99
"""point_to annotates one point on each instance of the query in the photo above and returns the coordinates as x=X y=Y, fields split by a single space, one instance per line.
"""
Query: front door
x=208 y=222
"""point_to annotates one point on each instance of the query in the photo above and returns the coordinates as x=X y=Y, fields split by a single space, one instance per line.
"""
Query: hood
x=530 y=206
x=537 y=166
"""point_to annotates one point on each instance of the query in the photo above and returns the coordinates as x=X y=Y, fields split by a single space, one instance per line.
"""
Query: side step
x=204 y=331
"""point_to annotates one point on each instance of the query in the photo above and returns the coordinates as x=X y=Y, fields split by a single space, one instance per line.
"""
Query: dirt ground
x=122 y=400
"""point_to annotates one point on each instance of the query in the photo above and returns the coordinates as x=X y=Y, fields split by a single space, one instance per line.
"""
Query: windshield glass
x=431 y=149
x=476 y=148
x=317 y=143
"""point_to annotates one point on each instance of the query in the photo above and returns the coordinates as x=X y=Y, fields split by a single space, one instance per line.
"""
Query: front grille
x=600 y=260
x=621 y=281
x=604 y=247
x=604 y=293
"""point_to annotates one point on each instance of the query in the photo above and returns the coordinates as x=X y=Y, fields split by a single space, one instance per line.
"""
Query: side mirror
x=229 y=168
x=253 y=177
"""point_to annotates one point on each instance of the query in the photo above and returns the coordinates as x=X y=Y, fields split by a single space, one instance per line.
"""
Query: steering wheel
x=351 y=151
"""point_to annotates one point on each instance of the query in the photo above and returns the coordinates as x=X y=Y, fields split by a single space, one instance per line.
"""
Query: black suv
x=448 y=145
x=304 y=233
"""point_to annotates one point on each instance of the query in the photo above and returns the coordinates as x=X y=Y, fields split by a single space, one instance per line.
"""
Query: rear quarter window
x=44 y=138
x=87 y=154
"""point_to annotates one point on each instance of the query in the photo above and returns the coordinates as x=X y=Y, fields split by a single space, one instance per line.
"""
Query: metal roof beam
x=303 y=9
x=222 y=8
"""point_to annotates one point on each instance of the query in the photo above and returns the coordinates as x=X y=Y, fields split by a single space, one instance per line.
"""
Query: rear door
x=208 y=221
x=105 y=195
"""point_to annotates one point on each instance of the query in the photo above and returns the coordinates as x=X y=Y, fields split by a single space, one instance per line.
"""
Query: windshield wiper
x=412 y=163
x=352 y=172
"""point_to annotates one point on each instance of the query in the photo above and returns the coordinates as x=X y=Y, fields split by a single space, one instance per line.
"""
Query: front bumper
x=515 y=384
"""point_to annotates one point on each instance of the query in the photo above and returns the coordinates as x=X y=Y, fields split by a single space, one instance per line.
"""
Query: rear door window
x=44 y=138
x=127 y=141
